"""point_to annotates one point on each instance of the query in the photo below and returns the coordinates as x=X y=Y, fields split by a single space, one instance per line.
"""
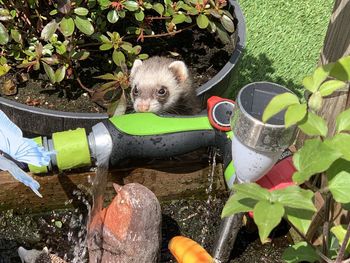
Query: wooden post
x=336 y=46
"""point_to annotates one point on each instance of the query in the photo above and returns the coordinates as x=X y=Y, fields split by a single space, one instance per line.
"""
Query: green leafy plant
x=322 y=156
x=57 y=36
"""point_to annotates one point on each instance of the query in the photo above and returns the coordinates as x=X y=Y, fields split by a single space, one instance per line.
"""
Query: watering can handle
x=146 y=135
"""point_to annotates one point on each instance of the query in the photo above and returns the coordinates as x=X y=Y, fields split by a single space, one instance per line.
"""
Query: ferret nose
x=143 y=107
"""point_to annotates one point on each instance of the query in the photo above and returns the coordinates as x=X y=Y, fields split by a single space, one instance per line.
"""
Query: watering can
x=249 y=150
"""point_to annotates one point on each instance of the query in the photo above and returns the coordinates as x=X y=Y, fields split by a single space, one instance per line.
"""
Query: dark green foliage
x=55 y=36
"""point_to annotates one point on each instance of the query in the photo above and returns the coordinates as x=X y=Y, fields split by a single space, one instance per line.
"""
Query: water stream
x=210 y=198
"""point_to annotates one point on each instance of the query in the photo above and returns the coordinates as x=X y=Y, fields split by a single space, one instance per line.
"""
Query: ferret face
x=156 y=84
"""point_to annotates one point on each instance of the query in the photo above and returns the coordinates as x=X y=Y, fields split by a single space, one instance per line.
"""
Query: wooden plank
x=172 y=182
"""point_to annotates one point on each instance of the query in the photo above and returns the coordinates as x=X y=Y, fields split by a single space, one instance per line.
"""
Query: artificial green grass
x=284 y=40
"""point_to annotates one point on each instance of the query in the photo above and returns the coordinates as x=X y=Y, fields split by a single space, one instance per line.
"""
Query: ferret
x=162 y=85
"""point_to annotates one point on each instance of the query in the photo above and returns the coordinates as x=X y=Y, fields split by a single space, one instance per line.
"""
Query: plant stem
x=168 y=34
x=83 y=86
x=343 y=245
x=324 y=257
x=311 y=186
x=89 y=45
x=157 y=17
x=326 y=224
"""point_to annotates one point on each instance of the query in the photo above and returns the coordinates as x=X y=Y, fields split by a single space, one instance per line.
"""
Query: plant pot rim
x=87 y=120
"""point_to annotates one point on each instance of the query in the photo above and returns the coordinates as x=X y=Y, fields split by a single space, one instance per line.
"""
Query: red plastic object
x=279 y=177
x=212 y=104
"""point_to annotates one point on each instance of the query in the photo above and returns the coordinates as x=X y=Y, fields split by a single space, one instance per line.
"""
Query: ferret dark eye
x=135 y=91
x=162 y=91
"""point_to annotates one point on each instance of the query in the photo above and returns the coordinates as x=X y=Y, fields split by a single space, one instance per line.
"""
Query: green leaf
x=314 y=157
x=341 y=69
x=294 y=114
x=227 y=23
x=238 y=203
x=313 y=125
x=3 y=60
x=188 y=19
x=16 y=36
x=178 y=18
x=49 y=30
x=136 y=49
x=104 y=39
x=343 y=121
x=58 y=224
x=53 y=12
x=139 y=15
x=215 y=13
x=338 y=166
x=50 y=73
x=142 y=56
x=4 y=36
x=315 y=101
x=300 y=218
x=252 y=190
x=81 y=55
x=61 y=49
x=107 y=76
x=131 y=5
x=104 y=3
x=50 y=60
x=84 y=25
x=81 y=11
x=279 y=103
x=339 y=231
x=227 y=13
x=67 y=26
x=340 y=187
x=159 y=8
x=121 y=106
x=127 y=47
x=340 y=142
x=308 y=83
x=147 y=5
x=300 y=252
x=221 y=32
x=321 y=74
x=295 y=197
x=267 y=216
x=202 y=21
x=4 y=69
x=106 y=46
x=60 y=73
x=118 y=57
x=91 y=3
x=112 y=16
x=328 y=87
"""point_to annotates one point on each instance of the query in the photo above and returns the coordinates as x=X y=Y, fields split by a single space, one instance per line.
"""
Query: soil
x=204 y=54
x=63 y=232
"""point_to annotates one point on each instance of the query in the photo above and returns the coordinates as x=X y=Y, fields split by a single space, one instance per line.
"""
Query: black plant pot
x=37 y=121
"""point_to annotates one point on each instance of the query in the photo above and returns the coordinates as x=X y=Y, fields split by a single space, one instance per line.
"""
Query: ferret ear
x=135 y=66
x=180 y=70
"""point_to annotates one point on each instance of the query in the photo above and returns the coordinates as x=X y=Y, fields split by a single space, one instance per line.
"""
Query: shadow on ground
x=258 y=68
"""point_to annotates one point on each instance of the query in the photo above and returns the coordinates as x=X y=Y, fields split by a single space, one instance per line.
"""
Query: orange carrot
x=186 y=250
